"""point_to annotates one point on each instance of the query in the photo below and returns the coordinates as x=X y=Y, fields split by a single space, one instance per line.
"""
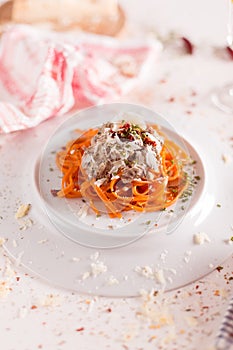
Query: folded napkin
x=43 y=74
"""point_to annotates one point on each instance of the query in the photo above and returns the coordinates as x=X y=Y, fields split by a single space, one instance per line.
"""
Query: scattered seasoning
x=17 y=279
x=188 y=46
x=219 y=205
x=51 y=169
x=162 y=81
x=152 y=338
x=231 y=238
x=171 y=99
x=109 y=310
x=80 y=329
x=219 y=268
x=54 y=192
x=33 y=307
x=197 y=177
x=229 y=50
x=193 y=93
x=148 y=222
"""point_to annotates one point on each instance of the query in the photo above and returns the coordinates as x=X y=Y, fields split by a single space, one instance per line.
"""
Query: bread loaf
x=70 y=11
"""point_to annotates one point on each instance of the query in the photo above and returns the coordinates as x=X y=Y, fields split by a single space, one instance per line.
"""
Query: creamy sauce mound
x=123 y=149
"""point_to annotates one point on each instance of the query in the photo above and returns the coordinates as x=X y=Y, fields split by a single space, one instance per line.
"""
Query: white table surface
x=36 y=315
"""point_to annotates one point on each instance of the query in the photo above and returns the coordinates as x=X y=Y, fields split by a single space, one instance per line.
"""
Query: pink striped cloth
x=43 y=74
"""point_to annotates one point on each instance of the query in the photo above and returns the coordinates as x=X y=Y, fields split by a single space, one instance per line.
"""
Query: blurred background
x=209 y=16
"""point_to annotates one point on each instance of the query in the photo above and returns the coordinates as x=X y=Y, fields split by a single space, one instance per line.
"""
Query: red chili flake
x=152 y=143
x=197 y=286
x=80 y=329
x=54 y=192
x=17 y=279
x=219 y=268
x=217 y=293
x=131 y=138
x=113 y=133
x=205 y=307
x=188 y=46
x=149 y=142
x=162 y=81
x=188 y=112
x=109 y=310
x=151 y=338
x=193 y=93
x=171 y=99
x=33 y=307
x=230 y=52
x=40 y=346
x=199 y=293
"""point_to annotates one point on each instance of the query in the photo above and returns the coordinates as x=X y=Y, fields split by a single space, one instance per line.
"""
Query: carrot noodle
x=144 y=195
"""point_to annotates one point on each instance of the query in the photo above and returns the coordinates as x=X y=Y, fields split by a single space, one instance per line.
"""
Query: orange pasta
x=159 y=189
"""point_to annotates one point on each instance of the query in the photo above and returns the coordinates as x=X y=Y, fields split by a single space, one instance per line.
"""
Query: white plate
x=72 y=217
x=46 y=252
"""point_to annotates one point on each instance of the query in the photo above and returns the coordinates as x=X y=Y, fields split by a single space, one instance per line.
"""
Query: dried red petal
x=188 y=46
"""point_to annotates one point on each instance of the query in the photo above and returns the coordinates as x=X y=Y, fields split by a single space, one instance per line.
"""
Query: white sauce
x=108 y=154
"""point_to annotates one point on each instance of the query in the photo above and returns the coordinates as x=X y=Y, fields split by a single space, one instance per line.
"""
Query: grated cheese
x=22 y=211
x=112 y=281
x=98 y=268
x=201 y=238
